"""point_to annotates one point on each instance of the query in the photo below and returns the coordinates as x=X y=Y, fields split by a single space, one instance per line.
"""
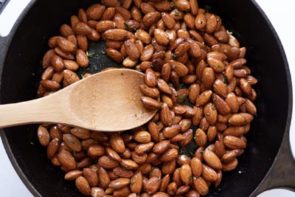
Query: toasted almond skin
x=179 y=68
x=201 y=186
x=163 y=86
x=221 y=106
x=209 y=174
x=186 y=174
x=83 y=186
x=196 y=166
x=200 y=137
x=136 y=183
x=131 y=50
x=152 y=185
x=43 y=136
x=107 y=163
x=67 y=160
x=115 y=34
x=150 y=103
x=165 y=115
x=234 y=142
x=150 y=78
x=90 y=176
x=203 y=98
x=150 y=18
x=230 y=166
x=169 y=155
x=200 y=21
x=210 y=113
x=212 y=159
x=104 y=178
x=72 y=175
x=117 y=143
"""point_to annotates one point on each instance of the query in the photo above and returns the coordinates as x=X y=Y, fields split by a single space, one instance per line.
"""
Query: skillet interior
x=265 y=58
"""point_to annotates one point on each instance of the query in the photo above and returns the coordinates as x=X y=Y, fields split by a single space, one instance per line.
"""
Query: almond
x=72 y=175
x=200 y=137
x=95 y=151
x=168 y=20
x=220 y=88
x=179 y=68
x=204 y=98
x=209 y=174
x=83 y=186
x=72 y=142
x=67 y=160
x=147 y=53
x=43 y=136
x=212 y=160
x=115 y=34
x=150 y=78
x=201 y=186
x=234 y=142
x=95 y=11
x=161 y=147
x=221 y=106
x=105 y=25
x=150 y=103
x=163 y=86
x=210 y=113
x=142 y=137
x=117 y=143
x=151 y=18
x=113 y=154
x=161 y=37
x=82 y=58
x=165 y=115
x=230 y=166
x=119 y=183
x=217 y=65
x=169 y=155
x=196 y=166
x=131 y=50
x=90 y=176
x=107 y=163
x=152 y=185
x=171 y=131
x=129 y=164
x=104 y=179
x=136 y=182
x=200 y=21
x=186 y=174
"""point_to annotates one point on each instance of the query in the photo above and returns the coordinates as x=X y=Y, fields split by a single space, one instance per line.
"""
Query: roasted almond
x=150 y=103
x=212 y=160
x=210 y=113
x=200 y=137
x=83 y=185
x=117 y=143
x=169 y=155
x=43 y=136
x=186 y=174
x=234 y=142
x=150 y=18
x=136 y=182
x=115 y=34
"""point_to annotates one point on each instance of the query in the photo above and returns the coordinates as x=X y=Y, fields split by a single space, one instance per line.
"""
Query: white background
x=281 y=14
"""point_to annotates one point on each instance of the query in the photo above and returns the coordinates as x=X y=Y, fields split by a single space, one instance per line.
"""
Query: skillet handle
x=282 y=172
x=11 y=13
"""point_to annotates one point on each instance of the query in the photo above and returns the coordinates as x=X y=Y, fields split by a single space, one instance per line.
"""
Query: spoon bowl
x=106 y=101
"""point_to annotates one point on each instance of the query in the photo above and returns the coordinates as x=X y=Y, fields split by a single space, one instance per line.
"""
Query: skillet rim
x=7 y=40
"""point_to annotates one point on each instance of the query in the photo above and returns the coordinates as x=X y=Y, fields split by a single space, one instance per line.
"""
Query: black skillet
x=267 y=162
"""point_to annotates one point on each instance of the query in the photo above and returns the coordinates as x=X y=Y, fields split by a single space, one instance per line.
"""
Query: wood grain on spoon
x=106 y=101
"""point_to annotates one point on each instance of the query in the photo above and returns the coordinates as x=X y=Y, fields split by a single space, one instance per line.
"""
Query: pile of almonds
x=195 y=76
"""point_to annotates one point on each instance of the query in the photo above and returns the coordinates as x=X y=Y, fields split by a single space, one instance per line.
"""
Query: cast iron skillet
x=267 y=161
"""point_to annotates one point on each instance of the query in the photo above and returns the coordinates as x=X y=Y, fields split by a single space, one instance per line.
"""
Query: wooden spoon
x=106 y=101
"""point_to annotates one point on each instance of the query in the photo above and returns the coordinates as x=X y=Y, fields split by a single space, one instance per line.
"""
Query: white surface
x=281 y=14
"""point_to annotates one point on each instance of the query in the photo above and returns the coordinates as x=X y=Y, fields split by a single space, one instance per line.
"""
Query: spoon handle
x=34 y=111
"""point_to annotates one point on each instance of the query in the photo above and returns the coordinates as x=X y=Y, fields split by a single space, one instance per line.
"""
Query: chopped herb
x=90 y=54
